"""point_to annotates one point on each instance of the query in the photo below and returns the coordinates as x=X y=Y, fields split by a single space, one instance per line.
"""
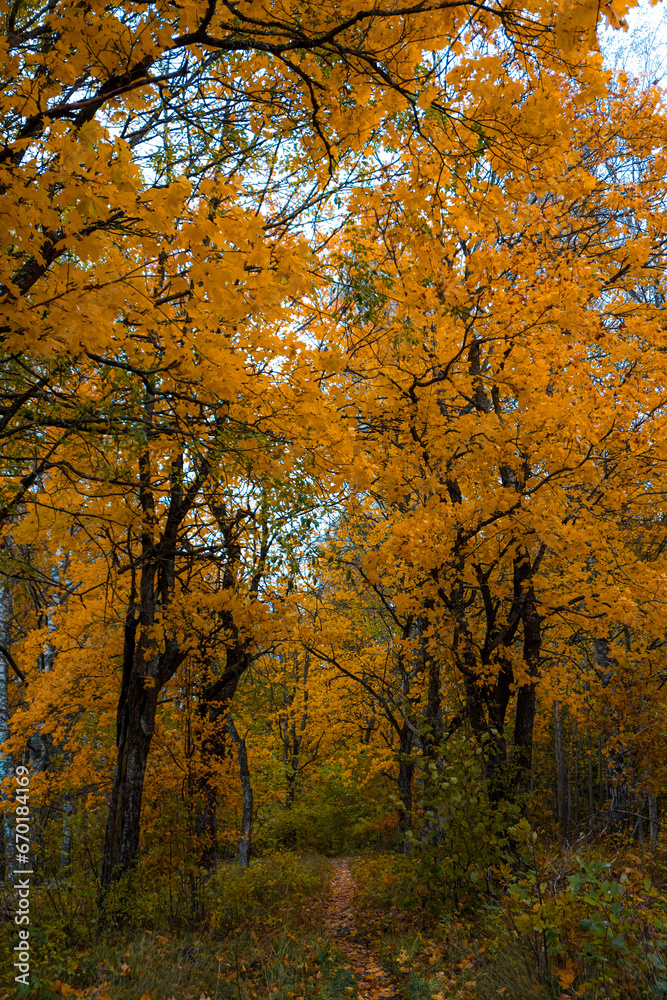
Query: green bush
x=598 y=935
x=459 y=836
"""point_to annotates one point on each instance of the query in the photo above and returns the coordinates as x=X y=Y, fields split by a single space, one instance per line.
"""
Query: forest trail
x=372 y=980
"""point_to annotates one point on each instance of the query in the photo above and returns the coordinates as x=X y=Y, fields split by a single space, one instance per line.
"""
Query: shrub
x=587 y=932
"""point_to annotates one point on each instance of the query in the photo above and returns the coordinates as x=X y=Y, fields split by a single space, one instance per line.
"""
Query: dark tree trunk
x=213 y=748
x=216 y=697
x=217 y=693
x=525 y=699
x=292 y=740
x=144 y=677
x=486 y=703
x=146 y=666
x=619 y=799
x=245 y=842
x=434 y=729
x=559 y=751
x=653 y=819
x=496 y=764
x=591 y=803
x=6 y=761
x=136 y=733
x=406 y=770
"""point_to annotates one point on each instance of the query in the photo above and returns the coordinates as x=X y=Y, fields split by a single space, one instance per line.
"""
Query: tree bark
x=146 y=667
x=653 y=819
x=406 y=770
x=217 y=693
x=568 y=828
x=576 y=781
x=136 y=726
x=434 y=729
x=215 y=699
x=66 y=845
x=591 y=800
x=559 y=751
x=525 y=699
x=292 y=740
x=245 y=842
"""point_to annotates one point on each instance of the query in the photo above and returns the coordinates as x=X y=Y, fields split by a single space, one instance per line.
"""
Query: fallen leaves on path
x=372 y=980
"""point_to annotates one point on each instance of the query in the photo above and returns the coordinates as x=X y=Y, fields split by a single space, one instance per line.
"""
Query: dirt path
x=372 y=981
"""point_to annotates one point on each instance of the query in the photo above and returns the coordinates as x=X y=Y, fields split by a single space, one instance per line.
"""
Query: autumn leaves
x=332 y=334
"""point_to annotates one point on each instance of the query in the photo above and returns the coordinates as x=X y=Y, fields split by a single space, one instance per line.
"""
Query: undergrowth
x=554 y=924
x=258 y=933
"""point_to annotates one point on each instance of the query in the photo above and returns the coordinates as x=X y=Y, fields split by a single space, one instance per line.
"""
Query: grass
x=261 y=936
x=243 y=966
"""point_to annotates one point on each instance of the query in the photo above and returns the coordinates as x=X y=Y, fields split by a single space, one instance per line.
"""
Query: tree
x=150 y=295
x=508 y=389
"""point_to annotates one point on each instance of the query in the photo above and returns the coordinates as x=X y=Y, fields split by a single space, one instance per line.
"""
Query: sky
x=642 y=49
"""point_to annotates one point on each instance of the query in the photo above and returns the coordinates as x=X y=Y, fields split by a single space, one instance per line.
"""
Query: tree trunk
x=653 y=819
x=591 y=801
x=639 y=822
x=213 y=749
x=406 y=770
x=137 y=710
x=137 y=725
x=568 y=828
x=217 y=693
x=601 y=797
x=496 y=757
x=434 y=730
x=66 y=847
x=292 y=739
x=146 y=667
x=216 y=697
x=559 y=751
x=619 y=803
x=525 y=699
x=576 y=782
x=245 y=841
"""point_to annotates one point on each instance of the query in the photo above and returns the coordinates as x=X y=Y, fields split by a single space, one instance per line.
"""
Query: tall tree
x=503 y=370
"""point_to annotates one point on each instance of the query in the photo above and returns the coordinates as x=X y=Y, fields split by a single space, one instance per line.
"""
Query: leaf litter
x=373 y=982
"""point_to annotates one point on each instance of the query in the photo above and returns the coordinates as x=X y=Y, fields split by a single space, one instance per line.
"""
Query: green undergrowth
x=250 y=933
x=553 y=924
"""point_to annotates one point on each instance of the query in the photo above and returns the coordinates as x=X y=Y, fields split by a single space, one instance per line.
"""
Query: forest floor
x=291 y=927
x=298 y=926
x=372 y=980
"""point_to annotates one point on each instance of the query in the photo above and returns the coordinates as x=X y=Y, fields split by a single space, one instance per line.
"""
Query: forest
x=333 y=501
